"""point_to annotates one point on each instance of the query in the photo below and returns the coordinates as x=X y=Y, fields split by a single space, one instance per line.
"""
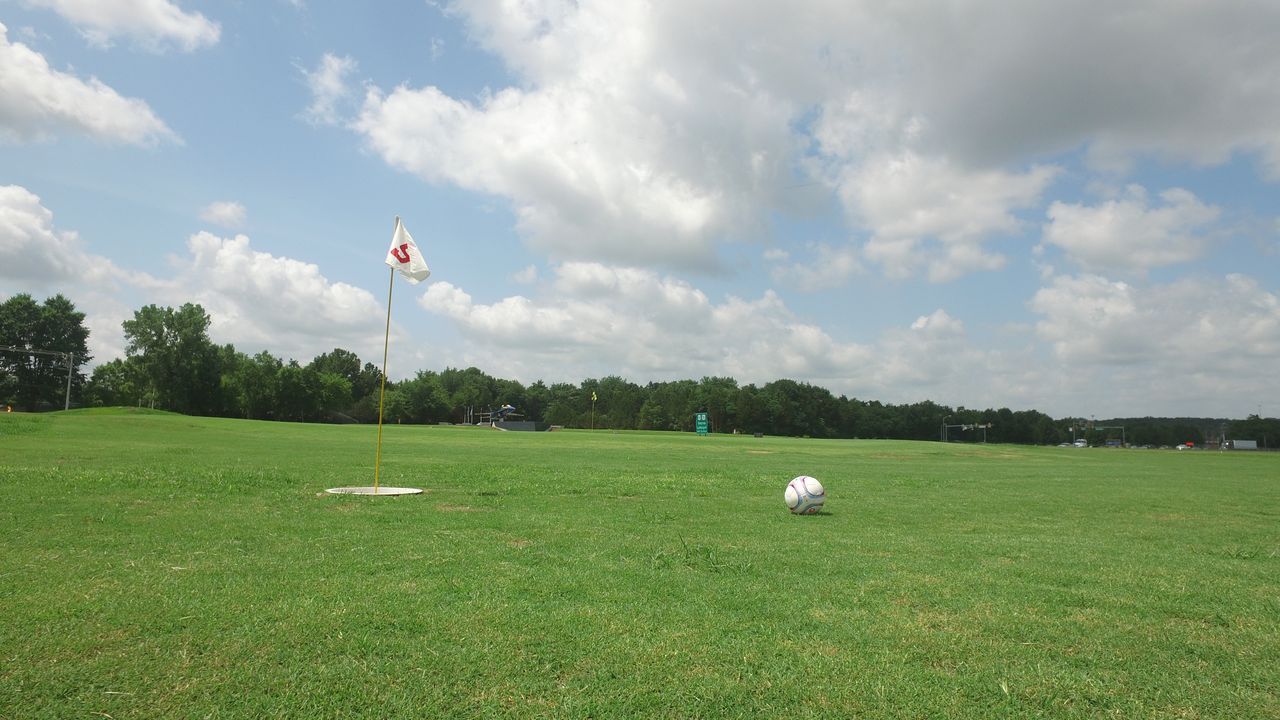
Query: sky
x=1068 y=206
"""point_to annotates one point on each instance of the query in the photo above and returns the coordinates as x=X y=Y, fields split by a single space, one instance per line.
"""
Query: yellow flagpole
x=386 y=339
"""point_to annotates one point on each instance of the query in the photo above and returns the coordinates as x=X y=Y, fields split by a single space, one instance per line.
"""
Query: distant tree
x=346 y=364
x=1264 y=431
x=335 y=393
x=670 y=405
x=653 y=416
x=8 y=387
x=718 y=397
x=618 y=402
x=749 y=410
x=513 y=393
x=251 y=386
x=28 y=379
x=425 y=398
x=536 y=397
x=396 y=407
x=798 y=409
x=179 y=363
x=469 y=388
x=566 y=406
x=297 y=393
x=118 y=382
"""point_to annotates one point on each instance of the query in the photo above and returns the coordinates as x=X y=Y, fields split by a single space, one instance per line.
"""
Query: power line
x=70 y=358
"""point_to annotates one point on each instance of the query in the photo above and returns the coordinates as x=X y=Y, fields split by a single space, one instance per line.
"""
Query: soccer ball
x=805 y=495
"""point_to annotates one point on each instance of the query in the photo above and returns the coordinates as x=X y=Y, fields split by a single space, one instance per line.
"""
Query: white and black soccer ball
x=805 y=495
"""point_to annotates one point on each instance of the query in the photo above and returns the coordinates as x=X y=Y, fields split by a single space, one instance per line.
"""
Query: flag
x=405 y=256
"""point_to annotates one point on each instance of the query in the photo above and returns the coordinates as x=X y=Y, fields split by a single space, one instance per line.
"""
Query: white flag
x=405 y=256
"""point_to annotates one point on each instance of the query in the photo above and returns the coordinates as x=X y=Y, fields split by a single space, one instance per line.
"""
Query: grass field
x=157 y=565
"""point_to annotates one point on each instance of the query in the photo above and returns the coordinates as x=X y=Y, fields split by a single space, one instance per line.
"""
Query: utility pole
x=69 y=356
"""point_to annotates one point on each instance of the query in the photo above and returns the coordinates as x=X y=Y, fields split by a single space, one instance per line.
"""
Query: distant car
x=1081 y=443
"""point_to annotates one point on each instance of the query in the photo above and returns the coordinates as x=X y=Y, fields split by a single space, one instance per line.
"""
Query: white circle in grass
x=370 y=490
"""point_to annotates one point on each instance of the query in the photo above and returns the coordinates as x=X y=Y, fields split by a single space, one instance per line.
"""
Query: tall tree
x=297 y=393
x=52 y=327
x=717 y=395
x=251 y=385
x=179 y=362
x=346 y=364
x=118 y=382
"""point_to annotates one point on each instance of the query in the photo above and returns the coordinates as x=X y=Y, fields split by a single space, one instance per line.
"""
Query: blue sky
x=1063 y=206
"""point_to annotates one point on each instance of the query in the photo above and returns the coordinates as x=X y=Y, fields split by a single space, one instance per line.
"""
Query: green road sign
x=700 y=422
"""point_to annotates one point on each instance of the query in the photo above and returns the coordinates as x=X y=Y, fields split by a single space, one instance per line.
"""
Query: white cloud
x=830 y=267
x=261 y=301
x=931 y=359
x=227 y=213
x=596 y=319
x=35 y=256
x=526 y=276
x=36 y=102
x=1127 y=234
x=999 y=82
x=1194 y=346
x=612 y=143
x=328 y=84
x=639 y=323
x=616 y=148
x=256 y=300
x=151 y=23
x=1197 y=326
x=1092 y=319
x=1101 y=347
x=926 y=213
x=587 y=180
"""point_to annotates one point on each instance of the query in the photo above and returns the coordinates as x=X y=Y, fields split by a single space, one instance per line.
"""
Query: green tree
x=536 y=398
x=653 y=416
x=469 y=388
x=718 y=396
x=671 y=405
x=345 y=364
x=1264 y=431
x=251 y=385
x=178 y=361
x=335 y=393
x=396 y=406
x=30 y=378
x=118 y=382
x=618 y=402
x=565 y=406
x=297 y=393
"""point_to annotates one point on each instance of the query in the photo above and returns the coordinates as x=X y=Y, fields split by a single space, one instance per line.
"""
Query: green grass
x=156 y=565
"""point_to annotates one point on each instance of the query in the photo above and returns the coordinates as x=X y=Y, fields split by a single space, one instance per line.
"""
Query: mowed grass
x=157 y=565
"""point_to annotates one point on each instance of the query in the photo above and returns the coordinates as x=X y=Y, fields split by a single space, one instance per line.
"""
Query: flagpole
x=386 y=340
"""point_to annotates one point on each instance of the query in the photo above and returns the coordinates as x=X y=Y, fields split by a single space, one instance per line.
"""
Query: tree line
x=171 y=363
